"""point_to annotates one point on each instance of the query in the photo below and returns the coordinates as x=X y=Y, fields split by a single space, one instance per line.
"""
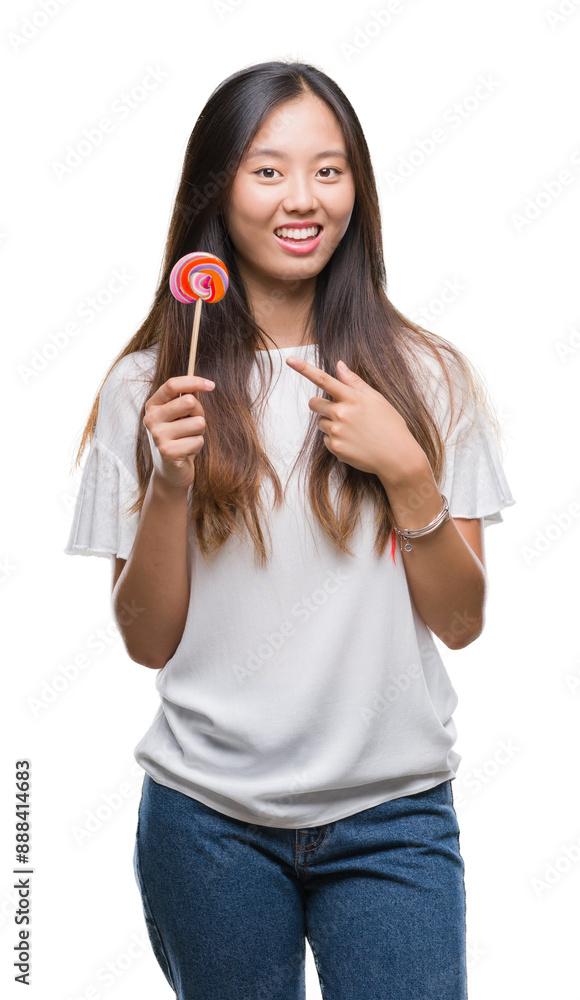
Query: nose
x=299 y=195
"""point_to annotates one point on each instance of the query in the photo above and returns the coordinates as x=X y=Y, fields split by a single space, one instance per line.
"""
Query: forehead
x=306 y=124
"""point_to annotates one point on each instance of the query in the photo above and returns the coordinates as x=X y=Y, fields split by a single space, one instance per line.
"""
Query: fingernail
x=209 y=383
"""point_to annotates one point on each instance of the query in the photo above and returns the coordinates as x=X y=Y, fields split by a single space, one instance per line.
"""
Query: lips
x=299 y=246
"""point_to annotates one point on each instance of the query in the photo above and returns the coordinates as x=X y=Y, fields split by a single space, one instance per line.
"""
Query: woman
x=299 y=766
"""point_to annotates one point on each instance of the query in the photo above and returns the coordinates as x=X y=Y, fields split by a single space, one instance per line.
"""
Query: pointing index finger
x=333 y=386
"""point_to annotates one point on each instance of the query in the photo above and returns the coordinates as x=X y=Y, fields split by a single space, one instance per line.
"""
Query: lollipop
x=198 y=277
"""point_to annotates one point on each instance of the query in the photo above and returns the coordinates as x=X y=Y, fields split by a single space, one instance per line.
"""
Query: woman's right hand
x=175 y=426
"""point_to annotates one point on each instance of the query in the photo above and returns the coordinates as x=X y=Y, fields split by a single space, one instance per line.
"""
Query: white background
x=517 y=318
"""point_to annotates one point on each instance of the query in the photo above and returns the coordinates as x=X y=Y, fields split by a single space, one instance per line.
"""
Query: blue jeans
x=380 y=895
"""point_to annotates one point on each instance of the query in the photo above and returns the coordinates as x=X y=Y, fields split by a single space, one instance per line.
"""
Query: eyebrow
x=263 y=151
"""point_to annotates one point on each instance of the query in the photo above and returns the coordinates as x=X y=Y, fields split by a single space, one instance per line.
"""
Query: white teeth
x=297 y=234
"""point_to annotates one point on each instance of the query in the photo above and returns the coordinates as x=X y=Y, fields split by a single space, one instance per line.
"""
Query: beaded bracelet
x=407 y=533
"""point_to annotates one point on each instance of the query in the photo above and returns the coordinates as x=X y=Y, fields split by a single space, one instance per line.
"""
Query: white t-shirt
x=311 y=689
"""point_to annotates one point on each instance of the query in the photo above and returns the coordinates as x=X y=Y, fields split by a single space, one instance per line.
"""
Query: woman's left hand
x=360 y=426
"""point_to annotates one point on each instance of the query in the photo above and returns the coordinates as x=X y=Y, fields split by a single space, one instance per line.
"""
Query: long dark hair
x=351 y=318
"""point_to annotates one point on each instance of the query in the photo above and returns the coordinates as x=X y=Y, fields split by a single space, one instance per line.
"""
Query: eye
x=272 y=170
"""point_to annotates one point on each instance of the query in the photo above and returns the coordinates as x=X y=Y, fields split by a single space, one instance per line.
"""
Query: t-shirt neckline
x=273 y=350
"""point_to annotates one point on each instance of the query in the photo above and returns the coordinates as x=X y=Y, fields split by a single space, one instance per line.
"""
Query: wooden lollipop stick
x=194 y=335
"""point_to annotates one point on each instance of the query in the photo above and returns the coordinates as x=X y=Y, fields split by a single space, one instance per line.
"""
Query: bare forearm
x=445 y=577
x=155 y=580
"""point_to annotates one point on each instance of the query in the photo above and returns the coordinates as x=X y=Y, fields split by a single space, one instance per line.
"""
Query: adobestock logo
x=569 y=348
x=573 y=681
x=553 y=871
x=467 y=785
x=399 y=684
x=460 y=628
x=549 y=193
x=562 y=14
x=108 y=806
x=120 y=108
x=110 y=972
x=225 y=7
x=30 y=27
x=7 y=569
x=453 y=118
x=88 y=310
x=365 y=33
x=68 y=673
x=302 y=611
x=545 y=539
x=451 y=290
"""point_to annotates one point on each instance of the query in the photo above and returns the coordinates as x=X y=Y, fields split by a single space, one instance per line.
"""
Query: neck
x=280 y=307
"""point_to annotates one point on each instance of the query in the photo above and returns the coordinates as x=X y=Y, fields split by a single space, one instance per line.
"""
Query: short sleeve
x=473 y=478
x=101 y=524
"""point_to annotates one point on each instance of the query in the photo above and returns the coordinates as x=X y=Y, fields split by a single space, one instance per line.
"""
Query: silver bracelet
x=408 y=533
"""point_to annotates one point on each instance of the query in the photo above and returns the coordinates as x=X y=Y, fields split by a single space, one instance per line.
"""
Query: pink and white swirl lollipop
x=198 y=277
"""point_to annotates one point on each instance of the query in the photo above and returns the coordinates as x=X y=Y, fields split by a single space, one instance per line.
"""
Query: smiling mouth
x=298 y=235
